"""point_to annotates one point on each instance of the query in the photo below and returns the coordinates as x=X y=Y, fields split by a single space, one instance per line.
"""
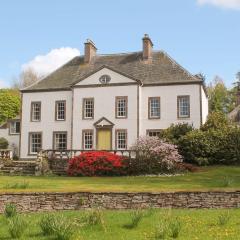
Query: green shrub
x=175 y=227
x=176 y=131
x=10 y=210
x=223 y=218
x=63 y=229
x=3 y=143
x=216 y=121
x=58 y=226
x=17 y=226
x=161 y=230
x=47 y=224
x=95 y=217
x=136 y=217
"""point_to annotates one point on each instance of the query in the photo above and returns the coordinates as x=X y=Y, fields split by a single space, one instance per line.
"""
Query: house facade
x=10 y=130
x=107 y=101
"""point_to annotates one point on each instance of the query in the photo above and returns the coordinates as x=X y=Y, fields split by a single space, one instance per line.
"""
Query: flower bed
x=96 y=163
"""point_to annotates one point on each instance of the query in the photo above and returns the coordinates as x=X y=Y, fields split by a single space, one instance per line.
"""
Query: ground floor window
x=121 y=139
x=87 y=139
x=154 y=132
x=35 y=142
x=60 y=141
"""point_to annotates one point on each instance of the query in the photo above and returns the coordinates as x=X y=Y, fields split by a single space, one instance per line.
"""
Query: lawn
x=208 y=178
x=195 y=224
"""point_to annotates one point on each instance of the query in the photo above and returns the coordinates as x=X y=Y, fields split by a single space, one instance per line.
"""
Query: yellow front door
x=104 y=139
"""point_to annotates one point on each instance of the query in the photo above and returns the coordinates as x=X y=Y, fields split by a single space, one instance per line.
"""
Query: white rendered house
x=107 y=101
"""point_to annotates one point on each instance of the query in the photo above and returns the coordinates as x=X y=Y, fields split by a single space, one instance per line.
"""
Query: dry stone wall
x=34 y=202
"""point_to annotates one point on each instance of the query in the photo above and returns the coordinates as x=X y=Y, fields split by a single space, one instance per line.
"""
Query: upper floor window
x=104 y=79
x=183 y=106
x=60 y=110
x=87 y=139
x=60 y=141
x=35 y=142
x=88 y=108
x=14 y=127
x=36 y=111
x=121 y=139
x=121 y=107
x=154 y=107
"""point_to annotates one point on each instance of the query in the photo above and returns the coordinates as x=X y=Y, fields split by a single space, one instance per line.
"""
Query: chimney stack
x=90 y=51
x=147 y=48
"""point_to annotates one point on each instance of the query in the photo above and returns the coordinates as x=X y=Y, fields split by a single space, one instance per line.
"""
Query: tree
x=26 y=78
x=220 y=98
x=9 y=104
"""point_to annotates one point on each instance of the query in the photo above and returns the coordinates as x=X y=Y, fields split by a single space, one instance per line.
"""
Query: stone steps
x=18 y=168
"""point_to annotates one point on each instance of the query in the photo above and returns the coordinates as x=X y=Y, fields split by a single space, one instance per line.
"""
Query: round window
x=104 y=79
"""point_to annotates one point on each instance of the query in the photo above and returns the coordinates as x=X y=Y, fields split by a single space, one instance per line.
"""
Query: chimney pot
x=90 y=51
x=147 y=47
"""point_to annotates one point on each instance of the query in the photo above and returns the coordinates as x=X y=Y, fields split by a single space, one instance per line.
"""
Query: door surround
x=104 y=124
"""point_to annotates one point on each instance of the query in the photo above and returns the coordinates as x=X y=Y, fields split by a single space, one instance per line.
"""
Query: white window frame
x=88 y=107
x=13 y=127
x=39 y=142
x=57 y=141
x=154 y=107
x=121 y=143
x=35 y=111
x=154 y=132
x=183 y=102
x=87 y=139
x=121 y=107
x=60 y=110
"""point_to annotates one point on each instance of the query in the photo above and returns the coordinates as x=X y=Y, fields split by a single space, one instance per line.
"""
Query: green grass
x=195 y=224
x=208 y=178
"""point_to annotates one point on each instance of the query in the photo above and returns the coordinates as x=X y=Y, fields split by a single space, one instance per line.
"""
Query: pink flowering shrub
x=156 y=156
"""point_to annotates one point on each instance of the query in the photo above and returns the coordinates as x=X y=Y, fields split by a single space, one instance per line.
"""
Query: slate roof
x=162 y=70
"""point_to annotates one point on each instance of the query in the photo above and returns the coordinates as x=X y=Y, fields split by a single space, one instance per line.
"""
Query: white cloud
x=3 y=84
x=232 y=4
x=45 y=64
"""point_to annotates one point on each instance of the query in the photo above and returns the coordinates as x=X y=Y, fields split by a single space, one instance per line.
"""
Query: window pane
x=154 y=107
x=122 y=107
x=88 y=140
x=88 y=108
x=184 y=106
x=36 y=111
x=17 y=127
x=60 y=141
x=35 y=142
x=121 y=139
x=61 y=110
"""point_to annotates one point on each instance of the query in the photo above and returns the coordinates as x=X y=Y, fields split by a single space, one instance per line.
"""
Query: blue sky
x=202 y=35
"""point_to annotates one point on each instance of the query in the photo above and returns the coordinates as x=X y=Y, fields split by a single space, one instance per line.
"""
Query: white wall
x=13 y=140
x=104 y=101
x=47 y=124
x=204 y=106
x=168 y=95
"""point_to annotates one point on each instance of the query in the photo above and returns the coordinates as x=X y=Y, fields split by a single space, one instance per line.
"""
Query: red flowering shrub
x=96 y=163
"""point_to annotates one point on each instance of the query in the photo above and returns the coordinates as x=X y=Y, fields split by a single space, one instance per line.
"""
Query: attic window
x=104 y=79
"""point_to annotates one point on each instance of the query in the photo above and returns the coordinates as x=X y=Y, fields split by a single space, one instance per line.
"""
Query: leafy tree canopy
x=220 y=98
x=9 y=104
